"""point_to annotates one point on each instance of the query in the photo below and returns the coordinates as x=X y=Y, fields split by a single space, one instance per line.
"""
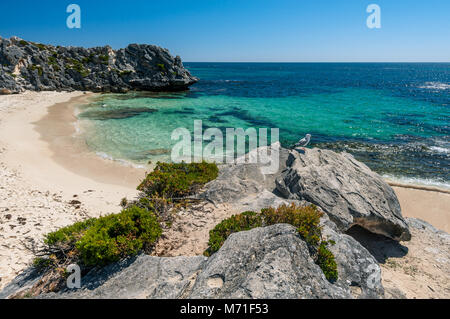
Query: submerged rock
x=114 y=114
x=25 y=65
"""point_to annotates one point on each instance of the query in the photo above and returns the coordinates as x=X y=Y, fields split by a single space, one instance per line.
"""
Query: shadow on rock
x=379 y=246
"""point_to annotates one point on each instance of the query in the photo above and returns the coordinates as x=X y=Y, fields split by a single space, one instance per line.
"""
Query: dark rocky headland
x=26 y=65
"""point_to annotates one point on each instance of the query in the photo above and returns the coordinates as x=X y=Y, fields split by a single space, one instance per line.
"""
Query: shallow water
x=394 y=117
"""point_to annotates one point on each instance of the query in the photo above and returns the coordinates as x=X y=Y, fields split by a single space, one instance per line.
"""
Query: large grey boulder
x=270 y=262
x=273 y=262
x=347 y=190
x=26 y=65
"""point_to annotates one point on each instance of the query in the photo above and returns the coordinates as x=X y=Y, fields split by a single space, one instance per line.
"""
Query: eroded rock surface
x=346 y=189
x=25 y=65
x=269 y=262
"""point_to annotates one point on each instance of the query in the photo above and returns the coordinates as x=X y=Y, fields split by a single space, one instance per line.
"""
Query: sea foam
x=416 y=181
x=435 y=86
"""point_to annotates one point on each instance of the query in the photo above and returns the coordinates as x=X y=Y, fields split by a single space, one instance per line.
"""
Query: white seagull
x=303 y=142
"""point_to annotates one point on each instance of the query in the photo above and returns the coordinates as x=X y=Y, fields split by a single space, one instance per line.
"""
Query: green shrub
x=38 y=68
x=119 y=235
x=170 y=180
x=52 y=60
x=42 y=264
x=306 y=219
x=234 y=224
x=326 y=261
x=41 y=47
x=88 y=59
x=97 y=242
x=23 y=42
x=78 y=66
x=70 y=234
x=125 y=73
x=161 y=66
x=104 y=59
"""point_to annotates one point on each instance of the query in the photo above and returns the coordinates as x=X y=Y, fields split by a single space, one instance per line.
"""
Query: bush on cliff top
x=306 y=219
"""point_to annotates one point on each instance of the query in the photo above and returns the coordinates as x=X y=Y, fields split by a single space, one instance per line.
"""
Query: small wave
x=435 y=86
x=438 y=149
x=120 y=161
x=417 y=181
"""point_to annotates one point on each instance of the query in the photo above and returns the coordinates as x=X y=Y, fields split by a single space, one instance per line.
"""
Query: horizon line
x=316 y=61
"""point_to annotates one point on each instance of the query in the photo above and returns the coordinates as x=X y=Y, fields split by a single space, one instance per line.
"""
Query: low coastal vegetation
x=97 y=242
x=306 y=219
x=171 y=186
x=176 y=181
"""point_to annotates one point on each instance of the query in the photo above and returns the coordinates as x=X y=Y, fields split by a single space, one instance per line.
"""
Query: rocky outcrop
x=26 y=65
x=347 y=190
x=270 y=262
x=273 y=262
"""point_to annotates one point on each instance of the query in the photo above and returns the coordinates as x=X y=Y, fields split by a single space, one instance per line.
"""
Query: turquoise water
x=393 y=117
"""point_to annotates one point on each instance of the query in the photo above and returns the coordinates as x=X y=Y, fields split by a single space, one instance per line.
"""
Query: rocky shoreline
x=362 y=217
x=26 y=65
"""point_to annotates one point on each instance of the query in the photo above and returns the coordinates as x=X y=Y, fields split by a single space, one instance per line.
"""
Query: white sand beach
x=41 y=189
x=49 y=179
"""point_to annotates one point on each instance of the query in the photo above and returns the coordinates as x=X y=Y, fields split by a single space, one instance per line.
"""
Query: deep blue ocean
x=395 y=117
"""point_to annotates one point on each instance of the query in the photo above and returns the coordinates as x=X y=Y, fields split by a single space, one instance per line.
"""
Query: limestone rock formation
x=270 y=262
x=347 y=190
x=26 y=65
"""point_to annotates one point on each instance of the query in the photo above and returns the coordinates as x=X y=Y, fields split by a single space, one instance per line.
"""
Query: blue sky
x=244 y=30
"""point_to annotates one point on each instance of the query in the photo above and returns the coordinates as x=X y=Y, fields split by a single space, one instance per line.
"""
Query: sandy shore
x=430 y=206
x=49 y=179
